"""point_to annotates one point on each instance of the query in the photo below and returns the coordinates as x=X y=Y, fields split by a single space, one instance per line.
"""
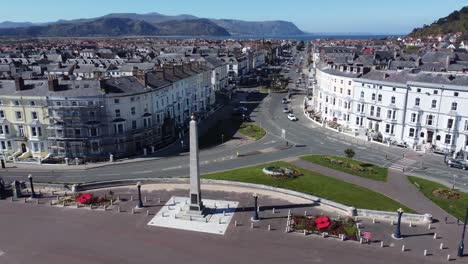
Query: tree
x=349 y=153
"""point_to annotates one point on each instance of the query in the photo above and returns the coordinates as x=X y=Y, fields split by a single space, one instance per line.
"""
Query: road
x=305 y=136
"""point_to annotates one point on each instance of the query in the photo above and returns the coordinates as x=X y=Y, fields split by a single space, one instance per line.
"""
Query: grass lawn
x=456 y=208
x=314 y=184
x=252 y=130
x=377 y=174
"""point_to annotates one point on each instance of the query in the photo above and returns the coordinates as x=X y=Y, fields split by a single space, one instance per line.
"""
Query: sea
x=305 y=37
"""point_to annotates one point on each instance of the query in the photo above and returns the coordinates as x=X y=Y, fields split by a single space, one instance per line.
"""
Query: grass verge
x=456 y=207
x=252 y=130
x=315 y=184
x=373 y=172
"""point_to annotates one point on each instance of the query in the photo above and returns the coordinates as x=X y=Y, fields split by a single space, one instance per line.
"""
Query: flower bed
x=87 y=199
x=323 y=224
x=446 y=194
x=355 y=167
x=280 y=173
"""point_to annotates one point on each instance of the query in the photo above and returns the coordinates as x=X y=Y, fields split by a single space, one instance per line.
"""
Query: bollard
x=112 y=202
x=429 y=226
x=391 y=223
x=235 y=223
x=305 y=232
x=342 y=237
x=219 y=221
x=50 y=202
x=269 y=227
x=146 y=200
x=206 y=220
x=287 y=229
x=224 y=213
x=273 y=210
x=118 y=209
x=228 y=206
x=147 y=212
x=25 y=201
x=37 y=201
x=118 y=197
x=251 y=225
x=190 y=218
x=403 y=248
x=355 y=218
x=305 y=213
x=373 y=220
x=358 y=225
x=66 y=194
x=131 y=198
x=441 y=246
x=381 y=244
x=359 y=232
x=58 y=197
x=410 y=224
x=53 y=192
x=448 y=258
x=11 y=199
x=425 y=252
x=77 y=205
x=360 y=240
x=435 y=235
x=133 y=210
x=289 y=212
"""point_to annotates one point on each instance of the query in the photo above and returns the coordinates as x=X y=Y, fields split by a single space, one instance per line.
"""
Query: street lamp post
x=140 y=203
x=461 y=246
x=255 y=214
x=397 y=234
x=33 y=194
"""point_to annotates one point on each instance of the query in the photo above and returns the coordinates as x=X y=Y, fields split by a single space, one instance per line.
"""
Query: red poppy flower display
x=322 y=222
x=84 y=198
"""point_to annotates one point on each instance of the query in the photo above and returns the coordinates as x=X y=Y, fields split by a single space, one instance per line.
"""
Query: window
x=378 y=112
x=3 y=145
x=387 y=128
x=455 y=94
x=394 y=89
x=92 y=114
x=341 y=90
x=21 y=131
x=372 y=110
x=95 y=146
x=1 y=130
x=74 y=104
x=429 y=120
x=349 y=92
x=145 y=123
x=116 y=101
x=34 y=115
x=436 y=92
x=93 y=132
x=417 y=101
x=16 y=103
x=448 y=139
x=77 y=132
x=418 y=90
x=411 y=133
x=413 y=118
x=36 y=148
x=349 y=82
x=2 y=114
x=7 y=129
x=19 y=116
x=118 y=128
x=450 y=123
x=117 y=112
x=393 y=99
x=454 y=106
x=466 y=125
x=362 y=94
x=133 y=111
x=389 y=114
x=32 y=103
x=132 y=99
x=373 y=97
x=434 y=104
x=33 y=131
x=134 y=124
x=380 y=98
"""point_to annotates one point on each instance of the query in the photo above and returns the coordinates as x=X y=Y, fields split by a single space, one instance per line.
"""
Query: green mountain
x=272 y=28
x=114 y=27
x=455 y=22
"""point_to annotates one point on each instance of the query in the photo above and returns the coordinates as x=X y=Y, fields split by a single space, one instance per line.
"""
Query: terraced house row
x=91 y=119
x=427 y=110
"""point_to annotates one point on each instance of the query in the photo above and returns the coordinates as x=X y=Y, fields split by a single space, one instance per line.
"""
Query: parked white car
x=292 y=117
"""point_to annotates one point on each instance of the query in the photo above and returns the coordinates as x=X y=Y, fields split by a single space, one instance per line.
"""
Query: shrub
x=349 y=152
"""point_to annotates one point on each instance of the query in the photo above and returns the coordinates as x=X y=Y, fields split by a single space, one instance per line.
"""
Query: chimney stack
x=19 y=84
x=53 y=83
x=386 y=75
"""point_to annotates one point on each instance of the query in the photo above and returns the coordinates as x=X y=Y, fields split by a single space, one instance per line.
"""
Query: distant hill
x=114 y=27
x=184 y=25
x=239 y=27
x=455 y=22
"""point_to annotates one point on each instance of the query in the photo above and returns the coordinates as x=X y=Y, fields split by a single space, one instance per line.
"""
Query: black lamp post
x=397 y=233
x=461 y=246
x=255 y=214
x=140 y=203
x=33 y=194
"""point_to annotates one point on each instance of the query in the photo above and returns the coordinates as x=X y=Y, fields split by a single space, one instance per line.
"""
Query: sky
x=317 y=16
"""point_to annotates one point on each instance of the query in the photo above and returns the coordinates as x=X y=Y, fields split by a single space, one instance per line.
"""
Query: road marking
x=112 y=174
x=141 y=172
x=172 y=168
x=204 y=162
x=2 y=252
x=271 y=142
x=359 y=147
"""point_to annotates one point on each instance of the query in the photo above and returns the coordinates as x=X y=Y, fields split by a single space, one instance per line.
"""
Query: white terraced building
x=425 y=110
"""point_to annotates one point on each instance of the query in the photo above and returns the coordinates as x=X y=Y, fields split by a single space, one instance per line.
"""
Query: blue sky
x=340 y=16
